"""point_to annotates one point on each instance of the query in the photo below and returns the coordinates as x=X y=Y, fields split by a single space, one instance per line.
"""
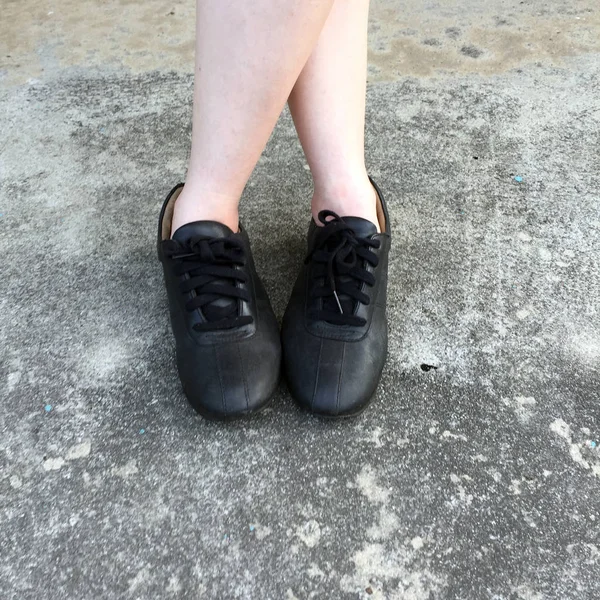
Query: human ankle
x=347 y=198
x=203 y=205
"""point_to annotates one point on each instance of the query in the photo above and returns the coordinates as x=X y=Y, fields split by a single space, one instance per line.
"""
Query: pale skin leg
x=249 y=54
x=328 y=107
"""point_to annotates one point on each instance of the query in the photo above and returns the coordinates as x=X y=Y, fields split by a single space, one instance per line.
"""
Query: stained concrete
x=476 y=471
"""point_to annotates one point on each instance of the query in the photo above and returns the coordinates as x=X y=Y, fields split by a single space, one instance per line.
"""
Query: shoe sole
x=351 y=415
x=329 y=417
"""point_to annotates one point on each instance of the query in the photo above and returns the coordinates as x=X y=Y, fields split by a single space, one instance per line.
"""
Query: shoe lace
x=339 y=259
x=210 y=265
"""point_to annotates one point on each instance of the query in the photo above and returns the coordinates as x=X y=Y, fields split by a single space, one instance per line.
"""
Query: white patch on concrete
x=13 y=380
x=523 y=313
x=261 y=531
x=375 y=438
x=500 y=328
x=15 y=373
x=314 y=572
x=448 y=435
x=496 y=475
x=417 y=542
x=525 y=592
x=594 y=552
x=126 y=470
x=78 y=451
x=591 y=551
x=523 y=403
x=367 y=484
x=563 y=430
x=522 y=407
x=372 y=560
x=54 y=464
x=529 y=519
x=289 y=594
x=463 y=496
x=15 y=482
x=385 y=527
x=374 y=593
x=544 y=253
x=101 y=361
x=174 y=586
x=419 y=585
x=525 y=400
x=524 y=237
x=515 y=487
x=309 y=533
x=376 y=561
x=587 y=346
x=142 y=576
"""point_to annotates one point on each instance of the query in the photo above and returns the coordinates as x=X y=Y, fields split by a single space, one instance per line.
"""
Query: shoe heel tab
x=166 y=214
x=382 y=211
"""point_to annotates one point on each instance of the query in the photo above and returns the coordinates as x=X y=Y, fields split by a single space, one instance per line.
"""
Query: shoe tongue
x=363 y=228
x=208 y=229
x=201 y=229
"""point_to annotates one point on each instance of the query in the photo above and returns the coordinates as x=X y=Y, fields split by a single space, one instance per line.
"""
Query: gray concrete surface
x=479 y=478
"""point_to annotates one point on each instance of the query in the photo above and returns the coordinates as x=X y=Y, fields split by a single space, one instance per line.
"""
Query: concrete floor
x=479 y=478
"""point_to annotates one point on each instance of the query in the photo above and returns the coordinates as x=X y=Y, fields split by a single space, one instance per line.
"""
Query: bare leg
x=248 y=57
x=328 y=107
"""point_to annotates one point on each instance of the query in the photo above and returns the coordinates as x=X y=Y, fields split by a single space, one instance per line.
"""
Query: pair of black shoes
x=229 y=349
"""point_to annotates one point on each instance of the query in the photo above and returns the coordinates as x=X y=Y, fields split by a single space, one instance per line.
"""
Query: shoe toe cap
x=230 y=380
x=332 y=377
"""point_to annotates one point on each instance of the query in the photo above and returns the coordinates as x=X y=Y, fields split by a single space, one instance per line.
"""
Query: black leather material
x=333 y=370
x=229 y=372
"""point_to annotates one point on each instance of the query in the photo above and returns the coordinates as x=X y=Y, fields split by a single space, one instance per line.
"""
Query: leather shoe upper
x=227 y=338
x=334 y=329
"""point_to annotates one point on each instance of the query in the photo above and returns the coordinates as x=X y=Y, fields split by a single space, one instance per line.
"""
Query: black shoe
x=334 y=329
x=228 y=346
